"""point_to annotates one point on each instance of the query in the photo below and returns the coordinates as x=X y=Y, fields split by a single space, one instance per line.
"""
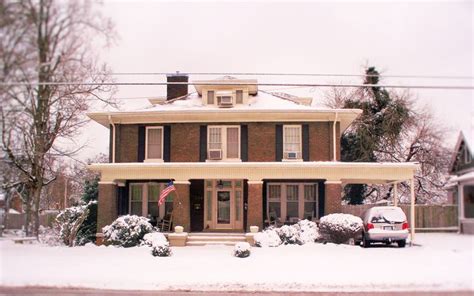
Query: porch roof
x=359 y=172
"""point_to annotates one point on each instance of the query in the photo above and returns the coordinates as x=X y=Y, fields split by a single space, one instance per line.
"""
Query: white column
x=395 y=194
x=412 y=210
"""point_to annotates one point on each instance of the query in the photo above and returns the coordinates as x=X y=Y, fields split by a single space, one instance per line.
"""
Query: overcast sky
x=410 y=38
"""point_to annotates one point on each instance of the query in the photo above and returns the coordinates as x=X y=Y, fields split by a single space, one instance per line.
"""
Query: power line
x=290 y=74
x=230 y=83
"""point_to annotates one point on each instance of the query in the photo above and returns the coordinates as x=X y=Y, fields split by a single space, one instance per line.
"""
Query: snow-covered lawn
x=442 y=262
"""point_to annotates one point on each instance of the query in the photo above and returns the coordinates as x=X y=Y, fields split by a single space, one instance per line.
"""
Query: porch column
x=107 y=204
x=181 y=210
x=412 y=211
x=332 y=198
x=395 y=194
x=255 y=204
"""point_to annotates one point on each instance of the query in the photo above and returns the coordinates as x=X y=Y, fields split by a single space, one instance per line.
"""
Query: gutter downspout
x=113 y=138
x=334 y=138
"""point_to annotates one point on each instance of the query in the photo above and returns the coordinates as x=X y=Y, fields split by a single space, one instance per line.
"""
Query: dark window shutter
x=167 y=143
x=141 y=143
x=321 y=198
x=203 y=143
x=278 y=142
x=244 y=155
x=305 y=138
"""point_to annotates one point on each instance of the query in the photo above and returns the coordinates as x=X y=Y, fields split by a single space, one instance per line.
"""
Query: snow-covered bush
x=267 y=238
x=158 y=243
x=50 y=236
x=242 y=249
x=290 y=234
x=340 y=228
x=70 y=220
x=308 y=230
x=127 y=231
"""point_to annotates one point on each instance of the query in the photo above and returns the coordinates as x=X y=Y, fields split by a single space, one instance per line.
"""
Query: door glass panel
x=237 y=205
x=223 y=207
x=209 y=205
x=292 y=201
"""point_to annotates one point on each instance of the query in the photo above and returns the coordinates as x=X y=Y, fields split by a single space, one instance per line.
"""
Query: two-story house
x=461 y=185
x=238 y=156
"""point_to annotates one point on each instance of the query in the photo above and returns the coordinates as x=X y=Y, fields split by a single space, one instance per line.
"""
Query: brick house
x=239 y=157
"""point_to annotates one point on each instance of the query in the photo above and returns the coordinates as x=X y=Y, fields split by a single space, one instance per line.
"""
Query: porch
x=232 y=196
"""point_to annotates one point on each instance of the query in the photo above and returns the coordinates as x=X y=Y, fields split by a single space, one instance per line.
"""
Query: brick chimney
x=176 y=90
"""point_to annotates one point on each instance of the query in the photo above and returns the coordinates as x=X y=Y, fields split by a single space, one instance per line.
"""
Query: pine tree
x=88 y=228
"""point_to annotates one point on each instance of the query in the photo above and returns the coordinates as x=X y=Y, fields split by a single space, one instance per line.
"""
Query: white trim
x=300 y=152
x=223 y=129
x=107 y=183
x=254 y=182
x=146 y=144
x=332 y=182
x=182 y=182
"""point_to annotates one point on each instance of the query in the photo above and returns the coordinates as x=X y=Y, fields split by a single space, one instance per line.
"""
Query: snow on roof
x=261 y=101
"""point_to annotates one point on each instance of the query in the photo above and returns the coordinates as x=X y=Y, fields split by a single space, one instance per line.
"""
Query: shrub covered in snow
x=308 y=231
x=158 y=243
x=340 y=228
x=127 y=231
x=289 y=234
x=267 y=238
x=70 y=220
x=242 y=249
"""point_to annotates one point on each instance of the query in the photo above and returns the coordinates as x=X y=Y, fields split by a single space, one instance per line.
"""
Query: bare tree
x=43 y=42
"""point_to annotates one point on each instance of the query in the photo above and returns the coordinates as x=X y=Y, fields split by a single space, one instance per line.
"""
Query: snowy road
x=443 y=262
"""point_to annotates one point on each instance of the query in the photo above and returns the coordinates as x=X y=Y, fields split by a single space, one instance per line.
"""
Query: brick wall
x=181 y=214
x=107 y=205
x=332 y=202
x=261 y=142
x=255 y=206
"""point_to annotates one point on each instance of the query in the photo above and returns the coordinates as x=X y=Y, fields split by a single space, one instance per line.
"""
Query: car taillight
x=405 y=225
x=370 y=226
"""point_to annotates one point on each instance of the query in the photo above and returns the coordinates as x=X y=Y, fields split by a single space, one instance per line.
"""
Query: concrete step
x=216 y=234
x=210 y=243
x=216 y=238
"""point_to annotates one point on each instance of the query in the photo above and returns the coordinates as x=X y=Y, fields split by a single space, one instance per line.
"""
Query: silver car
x=386 y=225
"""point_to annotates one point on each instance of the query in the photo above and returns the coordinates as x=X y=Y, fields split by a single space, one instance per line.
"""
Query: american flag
x=170 y=188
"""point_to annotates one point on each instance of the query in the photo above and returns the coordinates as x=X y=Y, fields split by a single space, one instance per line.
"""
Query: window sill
x=292 y=160
x=153 y=160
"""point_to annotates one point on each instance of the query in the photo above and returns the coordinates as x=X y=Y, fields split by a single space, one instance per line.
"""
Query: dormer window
x=239 y=97
x=224 y=99
x=210 y=97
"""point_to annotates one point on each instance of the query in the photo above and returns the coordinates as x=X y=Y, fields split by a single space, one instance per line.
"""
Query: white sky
x=415 y=38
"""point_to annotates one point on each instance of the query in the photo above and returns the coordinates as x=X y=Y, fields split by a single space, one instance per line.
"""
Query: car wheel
x=365 y=242
x=402 y=243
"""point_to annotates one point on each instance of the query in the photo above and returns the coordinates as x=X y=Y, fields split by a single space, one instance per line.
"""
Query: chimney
x=176 y=90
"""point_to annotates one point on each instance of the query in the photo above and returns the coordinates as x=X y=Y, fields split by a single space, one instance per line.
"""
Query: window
x=309 y=201
x=292 y=141
x=292 y=201
x=223 y=142
x=274 y=202
x=210 y=97
x=143 y=200
x=154 y=143
x=239 y=97
x=136 y=199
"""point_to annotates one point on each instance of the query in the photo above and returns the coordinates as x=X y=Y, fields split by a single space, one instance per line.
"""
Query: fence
x=426 y=216
x=17 y=221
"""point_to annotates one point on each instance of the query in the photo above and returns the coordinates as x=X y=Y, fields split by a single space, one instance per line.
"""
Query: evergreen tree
x=381 y=122
x=88 y=228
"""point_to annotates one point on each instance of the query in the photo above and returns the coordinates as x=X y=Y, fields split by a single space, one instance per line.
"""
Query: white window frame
x=300 y=152
x=301 y=200
x=224 y=142
x=146 y=144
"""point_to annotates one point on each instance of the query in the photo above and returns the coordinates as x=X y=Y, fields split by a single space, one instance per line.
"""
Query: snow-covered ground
x=441 y=262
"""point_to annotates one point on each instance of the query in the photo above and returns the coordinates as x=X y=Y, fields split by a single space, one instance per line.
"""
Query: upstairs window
x=292 y=142
x=223 y=142
x=154 y=143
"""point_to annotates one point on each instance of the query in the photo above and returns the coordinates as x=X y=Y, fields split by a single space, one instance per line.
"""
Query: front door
x=197 y=205
x=223 y=204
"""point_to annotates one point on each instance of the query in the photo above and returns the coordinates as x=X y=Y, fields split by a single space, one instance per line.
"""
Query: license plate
x=388 y=228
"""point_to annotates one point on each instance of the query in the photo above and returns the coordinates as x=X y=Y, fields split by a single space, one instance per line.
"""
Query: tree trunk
x=36 y=200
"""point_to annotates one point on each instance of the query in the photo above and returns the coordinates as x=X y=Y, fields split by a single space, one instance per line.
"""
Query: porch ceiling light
x=220 y=184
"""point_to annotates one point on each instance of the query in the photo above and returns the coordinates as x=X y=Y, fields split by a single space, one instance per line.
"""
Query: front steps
x=214 y=238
